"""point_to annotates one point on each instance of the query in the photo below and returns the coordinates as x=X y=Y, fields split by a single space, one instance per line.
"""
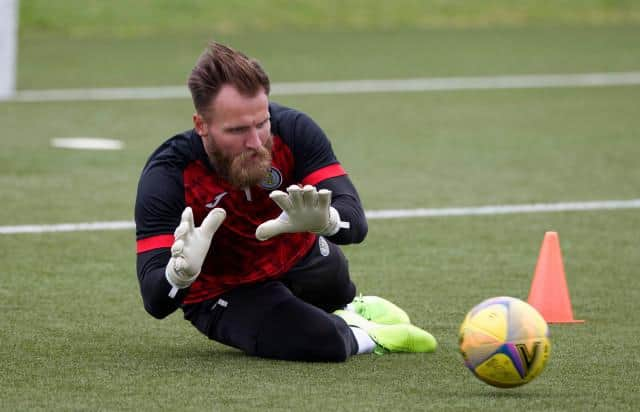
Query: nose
x=253 y=140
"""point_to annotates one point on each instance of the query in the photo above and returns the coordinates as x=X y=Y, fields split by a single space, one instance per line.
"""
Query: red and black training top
x=179 y=174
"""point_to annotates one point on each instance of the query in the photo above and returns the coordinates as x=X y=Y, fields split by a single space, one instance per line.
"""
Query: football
x=505 y=342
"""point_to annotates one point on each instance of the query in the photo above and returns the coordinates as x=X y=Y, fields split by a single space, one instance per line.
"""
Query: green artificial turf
x=75 y=335
x=73 y=331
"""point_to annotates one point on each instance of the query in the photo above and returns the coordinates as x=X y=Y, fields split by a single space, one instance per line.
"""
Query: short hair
x=219 y=65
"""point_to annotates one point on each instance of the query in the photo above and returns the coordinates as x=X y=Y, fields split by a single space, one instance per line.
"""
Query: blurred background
x=91 y=43
x=73 y=330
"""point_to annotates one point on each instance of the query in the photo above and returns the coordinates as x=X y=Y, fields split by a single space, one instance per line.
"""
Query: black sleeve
x=312 y=152
x=160 y=201
x=154 y=286
x=159 y=204
x=308 y=143
x=345 y=199
x=312 y=149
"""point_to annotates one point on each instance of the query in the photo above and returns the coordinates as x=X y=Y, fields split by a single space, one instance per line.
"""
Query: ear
x=200 y=125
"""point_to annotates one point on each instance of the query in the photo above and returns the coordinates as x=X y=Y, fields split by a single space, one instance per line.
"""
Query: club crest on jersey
x=273 y=180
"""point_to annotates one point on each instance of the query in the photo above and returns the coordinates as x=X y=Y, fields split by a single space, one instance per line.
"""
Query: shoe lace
x=380 y=350
x=362 y=308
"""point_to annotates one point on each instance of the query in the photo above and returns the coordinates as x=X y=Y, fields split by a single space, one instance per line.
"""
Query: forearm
x=154 y=288
x=346 y=201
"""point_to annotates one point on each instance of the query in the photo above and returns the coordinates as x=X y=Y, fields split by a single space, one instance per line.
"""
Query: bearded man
x=238 y=222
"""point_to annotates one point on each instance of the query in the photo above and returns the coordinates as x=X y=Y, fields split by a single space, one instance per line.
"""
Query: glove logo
x=272 y=180
x=324 y=246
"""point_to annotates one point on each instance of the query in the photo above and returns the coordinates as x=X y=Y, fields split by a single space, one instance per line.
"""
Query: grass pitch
x=74 y=334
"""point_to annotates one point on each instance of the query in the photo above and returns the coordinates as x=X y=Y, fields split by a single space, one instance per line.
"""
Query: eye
x=263 y=123
x=237 y=130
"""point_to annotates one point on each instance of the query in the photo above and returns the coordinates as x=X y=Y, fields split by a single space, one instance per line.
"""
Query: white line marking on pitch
x=344 y=87
x=86 y=143
x=371 y=214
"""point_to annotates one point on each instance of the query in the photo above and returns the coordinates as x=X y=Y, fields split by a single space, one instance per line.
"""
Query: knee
x=347 y=294
x=340 y=298
x=297 y=331
x=332 y=342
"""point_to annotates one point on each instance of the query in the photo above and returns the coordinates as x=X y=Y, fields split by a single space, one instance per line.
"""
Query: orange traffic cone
x=549 y=293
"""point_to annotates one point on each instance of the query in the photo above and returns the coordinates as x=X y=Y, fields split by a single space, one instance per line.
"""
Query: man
x=237 y=223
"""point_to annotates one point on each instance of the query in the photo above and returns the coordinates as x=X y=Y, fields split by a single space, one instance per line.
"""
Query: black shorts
x=287 y=318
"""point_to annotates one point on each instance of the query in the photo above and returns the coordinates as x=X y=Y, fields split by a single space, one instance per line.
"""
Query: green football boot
x=379 y=310
x=401 y=337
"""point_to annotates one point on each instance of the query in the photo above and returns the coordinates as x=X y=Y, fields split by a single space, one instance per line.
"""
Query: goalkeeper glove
x=303 y=210
x=190 y=248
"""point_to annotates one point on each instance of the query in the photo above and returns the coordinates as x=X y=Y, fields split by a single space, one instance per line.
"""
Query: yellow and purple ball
x=505 y=342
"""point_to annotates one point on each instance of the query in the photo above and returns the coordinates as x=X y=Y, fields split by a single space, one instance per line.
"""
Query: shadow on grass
x=513 y=393
x=219 y=355
x=211 y=353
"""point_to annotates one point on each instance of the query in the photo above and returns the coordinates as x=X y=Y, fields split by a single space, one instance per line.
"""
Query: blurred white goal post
x=8 y=47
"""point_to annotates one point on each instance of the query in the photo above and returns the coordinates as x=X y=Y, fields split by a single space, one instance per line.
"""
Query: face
x=236 y=134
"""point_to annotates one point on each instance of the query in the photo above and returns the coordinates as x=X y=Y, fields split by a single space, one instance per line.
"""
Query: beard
x=245 y=169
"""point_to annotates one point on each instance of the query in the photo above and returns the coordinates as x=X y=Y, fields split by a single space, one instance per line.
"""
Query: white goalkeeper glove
x=190 y=248
x=303 y=210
